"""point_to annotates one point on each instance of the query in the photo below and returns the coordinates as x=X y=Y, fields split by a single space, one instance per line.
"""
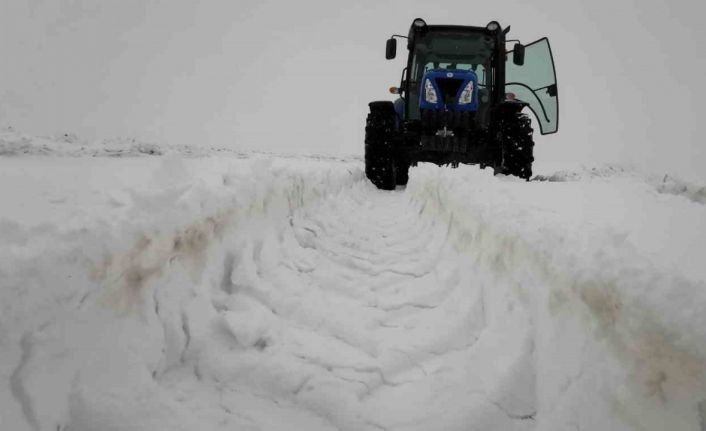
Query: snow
x=256 y=292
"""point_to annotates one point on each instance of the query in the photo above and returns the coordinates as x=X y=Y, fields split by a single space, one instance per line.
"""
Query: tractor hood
x=449 y=89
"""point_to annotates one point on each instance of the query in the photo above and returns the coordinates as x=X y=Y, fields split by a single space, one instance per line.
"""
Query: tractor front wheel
x=380 y=166
x=402 y=169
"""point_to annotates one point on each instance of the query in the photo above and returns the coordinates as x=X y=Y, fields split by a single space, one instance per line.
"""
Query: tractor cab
x=443 y=59
x=461 y=100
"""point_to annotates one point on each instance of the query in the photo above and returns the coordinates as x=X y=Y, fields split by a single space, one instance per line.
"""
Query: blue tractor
x=462 y=100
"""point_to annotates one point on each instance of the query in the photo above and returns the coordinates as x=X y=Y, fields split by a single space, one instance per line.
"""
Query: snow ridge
x=666 y=183
x=102 y=300
x=266 y=293
x=634 y=327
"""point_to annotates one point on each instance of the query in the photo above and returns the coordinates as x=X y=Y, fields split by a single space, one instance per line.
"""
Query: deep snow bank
x=277 y=294
x=613 y=275
x=89 y=249
x=663 y=183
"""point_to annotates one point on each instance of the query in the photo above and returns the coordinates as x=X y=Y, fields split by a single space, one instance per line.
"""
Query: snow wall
x=98 y=317
x=95 y=310
x=617 y=341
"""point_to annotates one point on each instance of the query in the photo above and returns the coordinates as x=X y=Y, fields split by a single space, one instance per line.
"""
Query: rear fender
x=382 y=107
x=511 y=106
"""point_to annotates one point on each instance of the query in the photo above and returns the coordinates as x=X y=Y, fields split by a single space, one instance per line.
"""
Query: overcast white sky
x=297 y=76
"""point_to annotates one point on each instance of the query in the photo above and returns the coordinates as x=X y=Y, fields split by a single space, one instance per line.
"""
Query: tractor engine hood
x=449 y=90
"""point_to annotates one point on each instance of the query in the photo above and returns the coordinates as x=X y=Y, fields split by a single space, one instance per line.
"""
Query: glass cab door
x=535 y=83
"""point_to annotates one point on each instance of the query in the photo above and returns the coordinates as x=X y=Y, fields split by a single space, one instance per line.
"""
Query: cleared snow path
x=376 y=320
x=273 y=294
x=360 y=312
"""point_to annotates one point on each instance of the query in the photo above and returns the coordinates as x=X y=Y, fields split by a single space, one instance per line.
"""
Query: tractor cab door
x=534 y=82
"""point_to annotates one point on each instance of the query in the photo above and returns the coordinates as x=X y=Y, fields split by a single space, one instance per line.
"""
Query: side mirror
x=391 y=48
x=518 y=54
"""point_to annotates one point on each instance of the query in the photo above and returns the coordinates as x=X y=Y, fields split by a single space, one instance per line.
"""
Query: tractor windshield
x=535 y=83
x=448 y=49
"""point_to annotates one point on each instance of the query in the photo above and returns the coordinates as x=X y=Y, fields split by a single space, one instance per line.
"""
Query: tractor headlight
x=466 y=94
x=429 y=92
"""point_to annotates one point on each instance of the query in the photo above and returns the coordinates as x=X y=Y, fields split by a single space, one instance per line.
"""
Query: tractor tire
x=517 y=145
x=380 y=166
x=402 y=176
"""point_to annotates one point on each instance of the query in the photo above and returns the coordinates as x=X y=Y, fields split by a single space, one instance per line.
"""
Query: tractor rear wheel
x=517 y=145
x=380 y=166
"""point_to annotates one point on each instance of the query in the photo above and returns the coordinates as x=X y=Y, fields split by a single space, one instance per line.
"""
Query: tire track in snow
x=395 y=311
x=17 y=385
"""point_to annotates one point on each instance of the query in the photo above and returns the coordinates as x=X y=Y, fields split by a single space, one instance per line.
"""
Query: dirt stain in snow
x=604 y=302
x=661 y=367
x=129 y=274
x=665 y=369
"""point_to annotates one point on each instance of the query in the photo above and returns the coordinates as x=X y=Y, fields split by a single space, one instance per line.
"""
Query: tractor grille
x=449 y=88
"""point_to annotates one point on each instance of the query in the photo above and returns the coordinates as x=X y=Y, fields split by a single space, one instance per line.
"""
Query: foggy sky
x=297 y=76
